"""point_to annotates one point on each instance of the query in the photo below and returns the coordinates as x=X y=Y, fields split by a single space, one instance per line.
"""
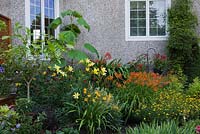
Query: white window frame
x=128 y=37
x=27 y=16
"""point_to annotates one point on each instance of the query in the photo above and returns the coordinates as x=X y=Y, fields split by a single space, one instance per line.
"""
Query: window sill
x=144 y=38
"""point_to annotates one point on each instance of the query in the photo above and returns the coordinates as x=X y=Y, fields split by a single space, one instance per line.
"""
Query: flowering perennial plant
x=152 y=80
x=93 y=110
x=171 y=104
x=160 y=62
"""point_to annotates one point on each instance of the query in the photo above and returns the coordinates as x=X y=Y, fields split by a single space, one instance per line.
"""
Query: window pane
x=142 y=31
x=133 y=5
x=134 y=32
x=142 y=14
x=133 y=23
x=142 y=23
x=141 y=5
x=157 y=18
x=138 y=18
x=35 y=19
x=49 y=15
x=133 y=14
x=153 y=31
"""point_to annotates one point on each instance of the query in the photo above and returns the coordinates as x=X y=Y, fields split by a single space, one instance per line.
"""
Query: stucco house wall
x=107 y=21
x=14 y=9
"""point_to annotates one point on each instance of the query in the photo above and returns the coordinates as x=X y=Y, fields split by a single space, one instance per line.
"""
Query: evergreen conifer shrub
x=183 y=48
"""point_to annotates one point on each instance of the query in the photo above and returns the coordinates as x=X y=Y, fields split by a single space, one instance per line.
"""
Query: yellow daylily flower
x=76 y=95
x=53 y=75
x=103 y=71
x=87 y=60
x=96 y=71
x=87 y=69
x=63 y=73
x=86 y=99
x=44 y=73
x=91 y=64
x=70 y=68
x=81 y=61
x=18 y=84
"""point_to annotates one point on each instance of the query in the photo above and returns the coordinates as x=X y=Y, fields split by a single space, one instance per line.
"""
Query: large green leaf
x=91 y=48
x=71 y=13
x=77 y=54
x=55 y=23
x=83 y=23
x=68 y=36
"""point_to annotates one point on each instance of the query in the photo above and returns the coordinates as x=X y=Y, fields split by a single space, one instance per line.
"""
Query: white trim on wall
x=147 y=37
x=27 y=14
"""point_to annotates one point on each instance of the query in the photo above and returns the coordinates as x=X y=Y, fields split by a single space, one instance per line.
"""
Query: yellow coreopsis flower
x=96 y=71
x=104 y=98
x=97 y=93
x=70 y=68
x=93 y=100
x=85 y=91
x=76 y=95
x=89 y=95
x=109 y=96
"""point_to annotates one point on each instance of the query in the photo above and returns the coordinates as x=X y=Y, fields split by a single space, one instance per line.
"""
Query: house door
x=5 y=32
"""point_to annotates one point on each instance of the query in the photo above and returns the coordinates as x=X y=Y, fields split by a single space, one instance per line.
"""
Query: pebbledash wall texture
x=107 y=21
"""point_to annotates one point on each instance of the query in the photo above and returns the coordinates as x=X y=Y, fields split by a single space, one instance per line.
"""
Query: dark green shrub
x=183 y=48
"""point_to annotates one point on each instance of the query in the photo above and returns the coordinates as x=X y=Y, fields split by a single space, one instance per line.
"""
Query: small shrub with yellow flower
x=170 y=104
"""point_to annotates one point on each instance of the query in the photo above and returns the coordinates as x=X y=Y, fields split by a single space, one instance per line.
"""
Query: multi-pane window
x=146 y=19
x=42 y=13
x=138 y=18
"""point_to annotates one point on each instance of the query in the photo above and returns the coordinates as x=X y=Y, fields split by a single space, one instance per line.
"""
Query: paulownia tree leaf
x=55 y=23
x=71 y=13
x=77 y=54
x=83 y=23
x=91 y=48
x=68 y=36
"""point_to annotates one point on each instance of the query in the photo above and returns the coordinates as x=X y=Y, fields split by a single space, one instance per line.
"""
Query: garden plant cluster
x=68 y=91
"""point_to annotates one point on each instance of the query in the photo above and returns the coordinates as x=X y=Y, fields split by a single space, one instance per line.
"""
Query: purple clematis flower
x=1 y=69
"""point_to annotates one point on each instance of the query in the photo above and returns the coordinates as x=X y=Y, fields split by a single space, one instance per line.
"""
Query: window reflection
x=36 y=18
x=157 y=9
